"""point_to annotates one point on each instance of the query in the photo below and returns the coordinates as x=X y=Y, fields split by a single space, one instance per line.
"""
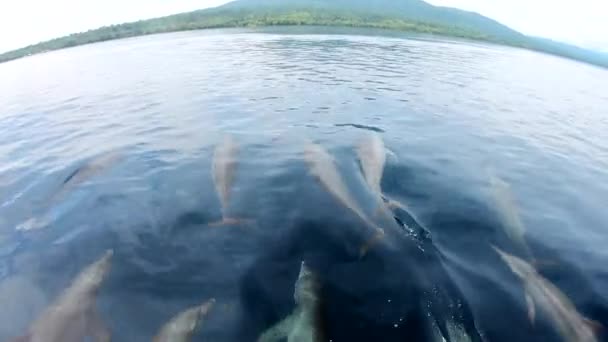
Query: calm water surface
x=451 y=114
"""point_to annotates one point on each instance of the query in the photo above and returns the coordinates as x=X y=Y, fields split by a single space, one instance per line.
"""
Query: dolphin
x=90 y=169
x=372 y=153
x=304 y=324
x=507 y=209
x=181 y=327
x=72 y=317
x=223 y=165
x=372 y=156
x=547 y=297
x=85 y=172
x=323 y=167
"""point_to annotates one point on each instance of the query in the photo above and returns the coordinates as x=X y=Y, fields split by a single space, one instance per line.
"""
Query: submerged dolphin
x=372 y=152
x=323 y=167
x=92 y=168
x=85 y=172
x=372 y=156
x=541 y=293
x=181 y=327
x=303 y=325
x=223 y=165
x=507 y=209
x=72 y=317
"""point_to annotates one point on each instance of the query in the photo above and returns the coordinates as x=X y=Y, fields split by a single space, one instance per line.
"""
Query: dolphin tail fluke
x=232 y=221
x=531 y=308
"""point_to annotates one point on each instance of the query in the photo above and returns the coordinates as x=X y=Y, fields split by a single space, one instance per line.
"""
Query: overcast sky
x=580 y=22
x=24 y=22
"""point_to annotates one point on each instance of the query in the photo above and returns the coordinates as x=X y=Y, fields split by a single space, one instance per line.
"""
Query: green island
x=414 y=16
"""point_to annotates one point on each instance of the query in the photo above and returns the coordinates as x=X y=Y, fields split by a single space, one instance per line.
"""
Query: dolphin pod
x=323 y=167
x=72 y=316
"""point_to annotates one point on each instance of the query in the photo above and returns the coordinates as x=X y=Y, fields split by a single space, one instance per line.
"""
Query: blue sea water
x=452 y=115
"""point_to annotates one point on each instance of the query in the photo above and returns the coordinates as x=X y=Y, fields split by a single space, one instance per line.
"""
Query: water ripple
x=447 y=111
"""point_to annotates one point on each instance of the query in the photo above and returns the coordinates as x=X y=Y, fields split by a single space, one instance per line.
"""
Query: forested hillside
x=406 y=15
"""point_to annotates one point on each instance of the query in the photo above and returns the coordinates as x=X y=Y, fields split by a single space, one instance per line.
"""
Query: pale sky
x=24 y=22
x=579 y=22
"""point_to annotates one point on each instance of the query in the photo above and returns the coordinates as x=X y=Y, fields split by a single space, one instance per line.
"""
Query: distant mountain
x=406 y=15
x=413 y=10
x=570 y=51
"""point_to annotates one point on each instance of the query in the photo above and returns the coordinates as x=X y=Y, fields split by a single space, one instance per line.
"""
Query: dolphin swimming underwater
x=181 y=327
x=223 y=167
x=93 y=167
x=372 y=157
x=507 y=209
x=541 y=293
x=83 y=173
x=371 y=153
x=73 y=317
x=323 y=167
x=304 y=324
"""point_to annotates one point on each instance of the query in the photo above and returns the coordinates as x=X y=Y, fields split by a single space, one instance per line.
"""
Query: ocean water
x=454 y=115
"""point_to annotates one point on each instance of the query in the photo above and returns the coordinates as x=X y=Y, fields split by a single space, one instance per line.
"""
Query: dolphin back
x=372 y=156
x=181 y=327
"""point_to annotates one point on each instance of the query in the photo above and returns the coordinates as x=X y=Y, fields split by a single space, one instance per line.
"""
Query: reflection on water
x=302 y=187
